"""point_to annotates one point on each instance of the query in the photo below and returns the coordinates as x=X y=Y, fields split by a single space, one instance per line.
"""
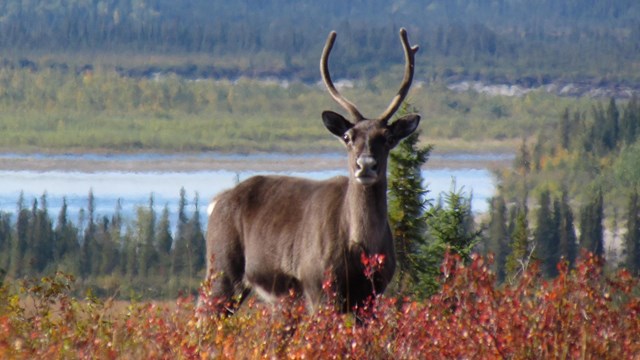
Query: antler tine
x=324 y=70
x=409 y=56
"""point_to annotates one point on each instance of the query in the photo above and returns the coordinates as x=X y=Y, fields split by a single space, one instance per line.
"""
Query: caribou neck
x=366 y=215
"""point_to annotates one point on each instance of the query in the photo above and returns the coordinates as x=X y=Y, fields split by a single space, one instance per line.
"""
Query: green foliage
x=546 y=235
x=632 y=236
x=451 y=224
x=407 y=202
x=591 y=225
x=518 y=260
x=511 y=39
x=568 y=242
x=450 y=230
x=60 y=110
x=497 y=238
x=112 y=257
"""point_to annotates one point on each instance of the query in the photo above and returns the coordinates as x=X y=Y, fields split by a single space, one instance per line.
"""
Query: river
x=132 y=179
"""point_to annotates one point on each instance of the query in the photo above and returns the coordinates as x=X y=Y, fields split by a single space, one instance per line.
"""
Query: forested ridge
x=500 y=40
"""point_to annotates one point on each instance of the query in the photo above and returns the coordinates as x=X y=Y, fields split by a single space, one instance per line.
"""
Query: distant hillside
x=474 y=39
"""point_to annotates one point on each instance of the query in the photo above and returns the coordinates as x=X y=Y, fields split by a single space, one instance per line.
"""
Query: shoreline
x=191 y=162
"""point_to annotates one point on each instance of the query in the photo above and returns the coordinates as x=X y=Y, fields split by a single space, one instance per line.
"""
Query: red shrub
x=580 y=314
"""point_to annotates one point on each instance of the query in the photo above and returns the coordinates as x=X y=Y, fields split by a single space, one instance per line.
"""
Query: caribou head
x=369 y=141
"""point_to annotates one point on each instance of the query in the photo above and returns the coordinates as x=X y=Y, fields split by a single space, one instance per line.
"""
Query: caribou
x=278 y=234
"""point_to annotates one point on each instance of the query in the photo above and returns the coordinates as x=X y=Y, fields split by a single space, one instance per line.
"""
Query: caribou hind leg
x=225 y=288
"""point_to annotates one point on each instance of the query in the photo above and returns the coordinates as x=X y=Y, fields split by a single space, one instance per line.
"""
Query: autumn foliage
x=582 y=313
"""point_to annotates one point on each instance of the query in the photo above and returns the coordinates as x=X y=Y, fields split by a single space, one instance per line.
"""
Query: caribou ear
x=336 y=123
x=403 y=127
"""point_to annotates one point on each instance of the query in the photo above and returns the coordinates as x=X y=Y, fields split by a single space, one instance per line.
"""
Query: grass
x=55 y=111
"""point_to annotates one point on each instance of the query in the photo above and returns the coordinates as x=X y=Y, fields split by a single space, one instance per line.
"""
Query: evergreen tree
x=5 y=240
x=605 y=129
x=450 y=227
x=630 y=121
x=407 y=201
x=497 y=241
x=612 y=133
x=101 y=247
x=196 y=240
x=43 y=240
x=165 y=241
x=546 y=235
x=179 y=259
x=89 y=238
x=145 y=236
x=566 y=130
x=111 y=255
x=129 y=259
x=632 y=237
x=519 y=257
x=591 y=225
x=567 y=234
x=29 y=261
x=450 y=222
x=522 y=161
x=19 y=243
x=67 y=246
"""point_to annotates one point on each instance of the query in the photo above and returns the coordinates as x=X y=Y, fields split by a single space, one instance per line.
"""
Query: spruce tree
x=88 y=246
x=498 y=238
x=450 y=227
x=519 y=256
x=407 y=201
x=567 y=232
x=566 y=130
x=165 y=241
x=591 y=225
x=17 y=265
x=145 y=237
x=180 y=255
x=111 y=255
x=632 y=237
x=43 y=240
x=630 y=121
x=450 y=222
x=195 y=239
x=5 y=240
x=29 y=259
x=67 y=246
x=546 y=235
x=612 y=133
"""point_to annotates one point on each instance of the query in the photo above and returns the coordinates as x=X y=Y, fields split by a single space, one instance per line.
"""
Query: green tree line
x=504 y=39
x=112 y=255
x=586 y=161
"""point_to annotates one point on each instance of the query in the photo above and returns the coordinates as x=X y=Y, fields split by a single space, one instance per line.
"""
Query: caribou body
x=274 y=234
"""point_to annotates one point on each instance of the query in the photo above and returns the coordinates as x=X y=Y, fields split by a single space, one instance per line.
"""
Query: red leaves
x=581 y=313
x=372 y=264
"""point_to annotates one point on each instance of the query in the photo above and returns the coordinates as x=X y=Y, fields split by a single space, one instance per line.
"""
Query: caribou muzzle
x=366 y=170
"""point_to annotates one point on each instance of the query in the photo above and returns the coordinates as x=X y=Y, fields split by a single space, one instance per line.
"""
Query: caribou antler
x=324 y=70
x=409 y=56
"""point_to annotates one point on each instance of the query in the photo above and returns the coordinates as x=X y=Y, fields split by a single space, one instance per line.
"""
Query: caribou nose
x=366 y=163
